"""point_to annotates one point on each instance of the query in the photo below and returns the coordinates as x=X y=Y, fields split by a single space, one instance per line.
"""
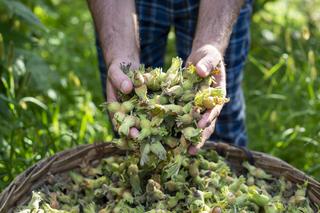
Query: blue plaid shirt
x=155 y=19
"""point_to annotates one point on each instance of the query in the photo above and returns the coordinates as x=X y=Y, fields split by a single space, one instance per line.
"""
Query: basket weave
x=20 y=189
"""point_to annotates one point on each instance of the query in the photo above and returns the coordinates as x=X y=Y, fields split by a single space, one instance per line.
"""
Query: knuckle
x=114 y=71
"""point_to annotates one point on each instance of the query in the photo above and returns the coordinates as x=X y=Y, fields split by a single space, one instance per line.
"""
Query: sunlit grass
x=281 y=81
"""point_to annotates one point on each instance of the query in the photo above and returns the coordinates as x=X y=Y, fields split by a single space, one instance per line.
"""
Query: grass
x=281 y=83
x=50 y=91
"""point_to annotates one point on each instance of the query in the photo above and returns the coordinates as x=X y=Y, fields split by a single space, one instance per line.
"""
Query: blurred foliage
x=48 y=75
x=282 y=83
x=50 y=91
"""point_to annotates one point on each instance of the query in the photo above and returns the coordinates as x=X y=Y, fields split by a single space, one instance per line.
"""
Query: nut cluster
x=165 y=107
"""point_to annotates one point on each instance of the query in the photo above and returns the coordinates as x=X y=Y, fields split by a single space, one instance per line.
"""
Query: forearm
x=116 y=25
x=215 y=21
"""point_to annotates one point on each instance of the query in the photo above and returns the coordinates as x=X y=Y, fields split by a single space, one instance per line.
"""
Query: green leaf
x=1 y=47
x=34 y=101
x=145 y=150
x=22 y=11
x=157 y=148
x=173 y=167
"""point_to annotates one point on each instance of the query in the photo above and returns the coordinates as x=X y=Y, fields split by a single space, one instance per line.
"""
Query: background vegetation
x=50 y=91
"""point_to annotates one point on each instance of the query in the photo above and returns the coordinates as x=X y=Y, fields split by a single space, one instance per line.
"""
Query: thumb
x=119 y=80
x=206 y=65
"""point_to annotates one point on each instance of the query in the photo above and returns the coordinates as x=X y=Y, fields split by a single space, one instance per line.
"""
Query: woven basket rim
x=19 y=190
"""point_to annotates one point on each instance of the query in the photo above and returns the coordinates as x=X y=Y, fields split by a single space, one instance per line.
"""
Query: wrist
x=117 y=58
x=201 y=43
x=200 y=50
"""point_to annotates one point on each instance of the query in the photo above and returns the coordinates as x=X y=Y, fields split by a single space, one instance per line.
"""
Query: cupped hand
x=119 y=81
x=206 y=59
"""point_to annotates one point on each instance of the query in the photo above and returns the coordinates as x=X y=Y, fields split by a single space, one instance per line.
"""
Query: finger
x=206 y=65
x=192 y=150
x=204 y=121
x=192 y=59
x=111 y=97
x=111 y=92
x=220 y=78
x=119 y=80
x=206 y=133
x=133 y=133
x=209 y=116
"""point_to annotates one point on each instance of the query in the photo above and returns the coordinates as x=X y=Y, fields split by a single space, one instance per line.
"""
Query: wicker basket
x=20 y=189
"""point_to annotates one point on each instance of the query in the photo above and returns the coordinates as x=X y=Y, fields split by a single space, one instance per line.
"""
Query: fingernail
x=134 y=133
x=125 y=86
x=203 y=68
x=203 y=124
x=193 y=150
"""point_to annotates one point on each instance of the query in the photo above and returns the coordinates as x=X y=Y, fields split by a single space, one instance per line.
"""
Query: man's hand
x=206 y=59
x=214 y=27
x=117 y=81
x=116 y=24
